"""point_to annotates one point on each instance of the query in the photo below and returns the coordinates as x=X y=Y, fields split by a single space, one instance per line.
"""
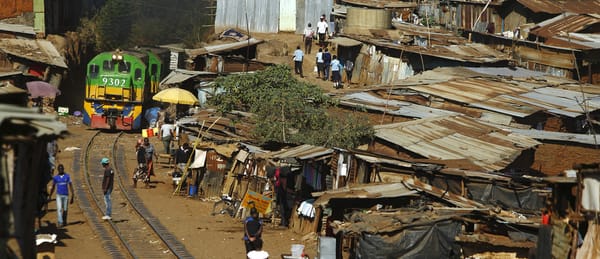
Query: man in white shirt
x=322 y=29
x=320 y=63
x=307 y=37
x=167 y=131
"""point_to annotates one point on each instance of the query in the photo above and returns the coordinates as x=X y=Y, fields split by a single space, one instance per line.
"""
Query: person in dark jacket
x=107 y=187
x=182 y=156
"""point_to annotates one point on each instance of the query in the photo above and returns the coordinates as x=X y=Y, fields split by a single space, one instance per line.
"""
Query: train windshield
x=108 y=65
x=124 y=67
x=94 y=71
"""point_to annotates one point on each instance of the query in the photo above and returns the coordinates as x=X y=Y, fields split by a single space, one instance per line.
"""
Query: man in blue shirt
x=298 y=57
x=60 y=182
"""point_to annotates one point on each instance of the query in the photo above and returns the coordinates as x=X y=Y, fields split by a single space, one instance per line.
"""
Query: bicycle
x=227 y=205
x=141 y=173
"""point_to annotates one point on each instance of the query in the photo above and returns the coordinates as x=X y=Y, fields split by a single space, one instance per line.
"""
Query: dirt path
x=204 y=236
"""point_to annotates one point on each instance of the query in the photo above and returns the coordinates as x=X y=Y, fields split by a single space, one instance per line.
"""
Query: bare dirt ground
x=204 y=235
x=207 y=236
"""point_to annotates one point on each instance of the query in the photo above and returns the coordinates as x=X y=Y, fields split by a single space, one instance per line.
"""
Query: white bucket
x=297 y=250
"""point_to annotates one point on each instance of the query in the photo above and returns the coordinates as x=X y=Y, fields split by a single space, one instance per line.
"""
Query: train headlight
x=114 y=56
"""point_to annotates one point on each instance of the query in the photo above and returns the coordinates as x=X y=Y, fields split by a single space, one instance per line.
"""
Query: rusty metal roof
x=406 y=187
x=8 y=88
x=457 y=137
x=519 y=98
x=564 y=23
x=394 y=107
x=301 y=152
x=557 y=7
x=218 y=48
x=464 y=52
x=28 y=122
x=35 y=50
x=365 y=191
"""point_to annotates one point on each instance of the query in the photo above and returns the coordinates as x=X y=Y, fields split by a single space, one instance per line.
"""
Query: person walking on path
x=348 y=67
x=60 y=182
x=336 y=68
x=326 y=63
x=298 y=57
x=322 y=29
x=107 y=187
x=320 y=63
x=307 y=37
x=167 y=131
x=150 y=153
x=252 y=230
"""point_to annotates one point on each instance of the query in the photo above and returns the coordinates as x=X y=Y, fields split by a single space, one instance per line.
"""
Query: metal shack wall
x=256 y=15
x=287 y=15
x=309 y=11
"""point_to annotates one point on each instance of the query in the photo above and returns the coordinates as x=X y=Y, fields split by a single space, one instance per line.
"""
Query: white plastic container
x=297 y=250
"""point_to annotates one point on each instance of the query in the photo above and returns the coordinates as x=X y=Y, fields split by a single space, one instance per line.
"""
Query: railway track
x=133 y=232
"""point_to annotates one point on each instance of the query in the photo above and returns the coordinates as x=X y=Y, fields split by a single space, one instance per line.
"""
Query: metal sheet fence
x=264 y=16
x=258 y=15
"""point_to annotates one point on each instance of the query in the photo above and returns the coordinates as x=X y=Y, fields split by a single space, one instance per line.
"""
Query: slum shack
x=411 y=219
x=24 y=134
x=570 y=223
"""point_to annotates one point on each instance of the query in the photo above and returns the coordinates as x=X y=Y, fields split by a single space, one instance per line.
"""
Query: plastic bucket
x=193 y=190
x=297 y=250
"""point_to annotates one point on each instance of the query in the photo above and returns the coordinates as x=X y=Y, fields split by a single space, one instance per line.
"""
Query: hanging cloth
x=199 y=159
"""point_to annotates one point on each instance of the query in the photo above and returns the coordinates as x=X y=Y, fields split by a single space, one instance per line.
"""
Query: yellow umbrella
x=176 y=96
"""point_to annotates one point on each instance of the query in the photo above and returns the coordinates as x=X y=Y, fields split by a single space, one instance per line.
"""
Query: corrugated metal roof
x=393 y=190
x=44 y=124
x=457 y=137
x=512 y=97
x=36 y=50
x=558 y=136
x=370 y=191
x=222 y=47
x=8 y=88
x=17 y=28
x=394 y=107
x=10 y=73
x=301 y=152
x=575 y=41
x=382 y=3
x=557 y=7
x=380 y=160
x=474 y=174
x=180 y=75
x=565 y=23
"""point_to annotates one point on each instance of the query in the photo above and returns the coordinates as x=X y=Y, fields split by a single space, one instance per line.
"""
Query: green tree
x=114 y=24
x=288 y=110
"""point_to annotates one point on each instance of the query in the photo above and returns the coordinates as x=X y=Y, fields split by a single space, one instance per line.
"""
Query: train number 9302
x=109 y=81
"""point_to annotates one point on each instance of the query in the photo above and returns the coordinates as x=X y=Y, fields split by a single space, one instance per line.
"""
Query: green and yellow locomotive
x=119 y=85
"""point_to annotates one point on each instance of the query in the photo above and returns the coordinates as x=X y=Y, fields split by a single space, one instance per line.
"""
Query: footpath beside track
x=133 y=232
